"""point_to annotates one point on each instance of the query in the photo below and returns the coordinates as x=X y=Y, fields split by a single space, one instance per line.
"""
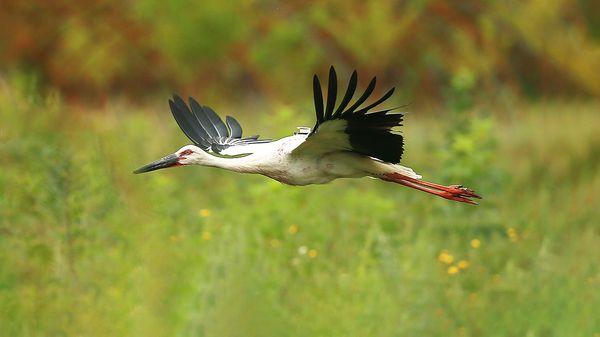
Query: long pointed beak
x=168 y=161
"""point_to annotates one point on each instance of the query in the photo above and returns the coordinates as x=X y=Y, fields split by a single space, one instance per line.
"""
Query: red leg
x=452 y=192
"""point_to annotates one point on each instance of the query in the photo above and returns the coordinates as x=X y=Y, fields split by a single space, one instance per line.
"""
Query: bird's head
x=187 y=155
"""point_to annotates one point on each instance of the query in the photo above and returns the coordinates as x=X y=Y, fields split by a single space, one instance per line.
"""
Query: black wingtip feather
x=235 y=129
x=331 y=93
x=216 y=121
x=363 y=97
x=377 y=102
x=349 y=93
x=205 y=128
x=371 y=133
x=202 y=118
x=186 y=122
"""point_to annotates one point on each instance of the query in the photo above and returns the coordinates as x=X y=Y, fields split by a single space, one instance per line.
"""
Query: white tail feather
x=407 y=171
x=379 y=168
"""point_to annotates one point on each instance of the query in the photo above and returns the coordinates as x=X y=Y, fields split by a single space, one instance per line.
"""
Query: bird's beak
x=168 y=161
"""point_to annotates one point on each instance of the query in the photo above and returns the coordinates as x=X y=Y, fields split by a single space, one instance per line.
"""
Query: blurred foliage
x=94 y=49
x=88 y=249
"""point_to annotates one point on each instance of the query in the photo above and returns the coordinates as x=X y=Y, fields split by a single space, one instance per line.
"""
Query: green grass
x=89 y=249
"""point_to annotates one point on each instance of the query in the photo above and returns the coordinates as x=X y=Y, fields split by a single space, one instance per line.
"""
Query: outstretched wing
x=206 y=129
x=353 y=128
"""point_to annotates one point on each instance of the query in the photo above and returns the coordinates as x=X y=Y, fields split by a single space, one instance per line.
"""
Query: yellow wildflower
x=206 y=236
x=512 y=234
x=475 y=243
x=463 y=264
x=445 y=257
x=312 y=253
x=275 y=243
x=204 y=212
x=293 y=229
x=452 y=270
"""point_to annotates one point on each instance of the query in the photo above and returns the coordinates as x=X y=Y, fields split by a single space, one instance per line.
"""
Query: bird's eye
x=186 y=152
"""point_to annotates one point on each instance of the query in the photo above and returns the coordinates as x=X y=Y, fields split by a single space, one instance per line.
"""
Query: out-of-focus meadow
x=504 y=98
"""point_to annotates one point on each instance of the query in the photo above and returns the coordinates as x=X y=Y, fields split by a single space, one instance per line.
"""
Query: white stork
x=347 y=141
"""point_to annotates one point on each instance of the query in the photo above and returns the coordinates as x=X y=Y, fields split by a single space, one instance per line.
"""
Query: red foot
x=459 y=193
x=452 y=192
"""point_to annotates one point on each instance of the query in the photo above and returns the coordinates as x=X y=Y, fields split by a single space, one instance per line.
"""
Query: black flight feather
x=187 y=122
x=376 y=103
x=203 y=119
x=216 y=121
x=364 y=96
x=349 y=93
x=370 y=133
x=331 y=93
x=206 y=129
x=235 y=129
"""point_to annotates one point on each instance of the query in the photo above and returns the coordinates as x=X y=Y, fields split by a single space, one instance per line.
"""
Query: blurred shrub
x=107 y=47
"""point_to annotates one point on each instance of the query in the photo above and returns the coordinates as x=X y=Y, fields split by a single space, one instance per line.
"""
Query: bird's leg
x=452 y=192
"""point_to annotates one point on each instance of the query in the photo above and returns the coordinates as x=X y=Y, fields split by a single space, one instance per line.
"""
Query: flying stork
x=347 y=141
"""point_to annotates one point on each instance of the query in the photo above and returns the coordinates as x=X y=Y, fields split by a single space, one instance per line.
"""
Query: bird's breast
x=301 y=175
x=304 y=171
x=278 y=163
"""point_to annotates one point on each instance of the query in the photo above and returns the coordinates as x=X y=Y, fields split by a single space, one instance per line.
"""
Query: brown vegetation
x=100 y=48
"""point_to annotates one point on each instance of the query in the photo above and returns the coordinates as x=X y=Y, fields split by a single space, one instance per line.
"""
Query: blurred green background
x=503 y=98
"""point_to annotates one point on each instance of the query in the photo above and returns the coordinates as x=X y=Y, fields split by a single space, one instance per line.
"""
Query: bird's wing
x=352 y=127
x=206 y=129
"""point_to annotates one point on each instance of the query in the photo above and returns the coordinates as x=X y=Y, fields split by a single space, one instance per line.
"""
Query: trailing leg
x=451 y=192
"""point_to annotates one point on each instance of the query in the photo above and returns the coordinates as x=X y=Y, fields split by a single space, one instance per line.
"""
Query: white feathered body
x=349 y=140
x=277 y=160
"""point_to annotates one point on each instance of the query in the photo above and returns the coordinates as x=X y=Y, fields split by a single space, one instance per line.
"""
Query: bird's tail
x=404 y=171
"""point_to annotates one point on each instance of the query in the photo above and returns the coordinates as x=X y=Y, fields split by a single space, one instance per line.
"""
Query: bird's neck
x=245 y=164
